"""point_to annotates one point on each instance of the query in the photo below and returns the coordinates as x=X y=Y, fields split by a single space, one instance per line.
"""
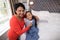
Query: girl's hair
x=18 y=5
x=33 y=17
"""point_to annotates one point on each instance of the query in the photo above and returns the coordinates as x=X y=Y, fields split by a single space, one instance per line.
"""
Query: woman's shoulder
x=13 y=18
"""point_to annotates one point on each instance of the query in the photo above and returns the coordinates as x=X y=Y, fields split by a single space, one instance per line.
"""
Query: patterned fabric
x=32 y=34
x=46 y=5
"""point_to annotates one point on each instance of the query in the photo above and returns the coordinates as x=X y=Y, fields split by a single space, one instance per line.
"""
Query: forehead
x=20 y=8
x=28 y=13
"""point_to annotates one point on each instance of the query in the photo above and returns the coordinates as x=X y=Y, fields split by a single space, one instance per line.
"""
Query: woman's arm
x=16 y=27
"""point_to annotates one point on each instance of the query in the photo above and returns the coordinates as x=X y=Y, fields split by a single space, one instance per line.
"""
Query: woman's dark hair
x=18 y=5
x=33 y=17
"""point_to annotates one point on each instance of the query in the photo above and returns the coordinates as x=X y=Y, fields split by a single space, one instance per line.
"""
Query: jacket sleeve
x=16 y=27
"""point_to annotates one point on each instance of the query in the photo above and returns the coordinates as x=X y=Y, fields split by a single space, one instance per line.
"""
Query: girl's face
x=20 y=12
x=29 y=15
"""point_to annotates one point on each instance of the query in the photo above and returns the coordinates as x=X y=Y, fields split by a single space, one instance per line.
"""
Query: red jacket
x=16 y=28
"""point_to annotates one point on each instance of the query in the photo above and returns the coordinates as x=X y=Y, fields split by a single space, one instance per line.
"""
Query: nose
x=22 y=12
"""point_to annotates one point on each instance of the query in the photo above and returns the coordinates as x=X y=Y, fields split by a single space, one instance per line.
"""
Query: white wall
x=22 y=0
x=4 y=26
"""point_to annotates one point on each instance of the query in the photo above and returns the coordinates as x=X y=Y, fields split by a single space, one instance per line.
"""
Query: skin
x=29 y=16
x=20 y=14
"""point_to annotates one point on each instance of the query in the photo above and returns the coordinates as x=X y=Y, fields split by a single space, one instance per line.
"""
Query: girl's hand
x=37 y=18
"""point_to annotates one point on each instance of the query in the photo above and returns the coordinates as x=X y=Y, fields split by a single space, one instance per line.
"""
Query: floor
x=49 y=27
x=4 y=36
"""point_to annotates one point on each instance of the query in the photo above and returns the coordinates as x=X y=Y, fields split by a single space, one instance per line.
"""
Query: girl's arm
x=37 y=18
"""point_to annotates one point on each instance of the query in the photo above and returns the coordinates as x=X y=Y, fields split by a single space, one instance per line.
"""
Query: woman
x=17 y=22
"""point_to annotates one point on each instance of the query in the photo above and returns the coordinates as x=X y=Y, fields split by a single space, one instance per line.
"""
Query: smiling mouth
x=21 y=15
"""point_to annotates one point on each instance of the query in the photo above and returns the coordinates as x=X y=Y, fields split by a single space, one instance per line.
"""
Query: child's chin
x=30 y=19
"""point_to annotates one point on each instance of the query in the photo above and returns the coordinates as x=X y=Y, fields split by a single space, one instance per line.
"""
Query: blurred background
x=48 y=12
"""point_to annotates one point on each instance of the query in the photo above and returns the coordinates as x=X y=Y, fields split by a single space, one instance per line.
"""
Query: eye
x=19 y=10
x=22 y=10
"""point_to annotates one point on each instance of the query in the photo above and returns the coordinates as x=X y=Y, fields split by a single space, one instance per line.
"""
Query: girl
x=32 y=34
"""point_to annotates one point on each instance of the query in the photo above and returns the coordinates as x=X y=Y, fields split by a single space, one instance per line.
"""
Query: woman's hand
x=30 y=25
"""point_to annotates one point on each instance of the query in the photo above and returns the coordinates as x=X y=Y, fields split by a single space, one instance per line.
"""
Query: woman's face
x=20 y=12
x=29 y=15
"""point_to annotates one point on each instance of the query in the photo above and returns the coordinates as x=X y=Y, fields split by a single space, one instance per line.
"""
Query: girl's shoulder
x=27 y=20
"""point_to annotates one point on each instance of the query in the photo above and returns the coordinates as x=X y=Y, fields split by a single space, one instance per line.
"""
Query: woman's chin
x=21 y=16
